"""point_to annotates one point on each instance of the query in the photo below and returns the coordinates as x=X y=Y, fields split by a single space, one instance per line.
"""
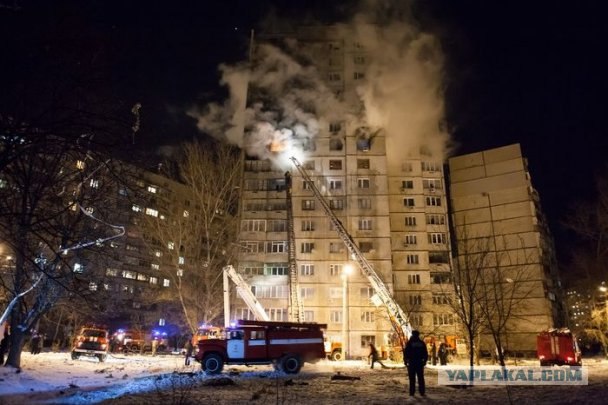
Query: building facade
x=496 y=212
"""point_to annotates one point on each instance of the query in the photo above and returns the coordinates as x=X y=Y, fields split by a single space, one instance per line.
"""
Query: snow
x=54 y=378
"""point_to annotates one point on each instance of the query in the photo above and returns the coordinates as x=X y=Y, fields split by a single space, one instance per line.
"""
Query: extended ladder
x=245 y=292
x=296 y=307
x=382 y=295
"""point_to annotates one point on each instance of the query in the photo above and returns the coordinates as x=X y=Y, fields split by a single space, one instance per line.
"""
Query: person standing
x=373 y=355
x=35 y=343
x=443 y=354
x=189 y=349
x=154 y=346
x=415 y=357
x=434 y=354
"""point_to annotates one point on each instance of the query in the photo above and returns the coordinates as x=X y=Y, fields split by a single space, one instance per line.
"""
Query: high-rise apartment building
x=392 y=202
x=497 y=214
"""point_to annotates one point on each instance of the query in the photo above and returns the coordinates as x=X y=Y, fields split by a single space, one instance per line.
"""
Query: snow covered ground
x=54 y=378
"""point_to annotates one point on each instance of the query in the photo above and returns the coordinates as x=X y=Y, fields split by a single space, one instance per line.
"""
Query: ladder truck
x=382 y=295
x=245 y=292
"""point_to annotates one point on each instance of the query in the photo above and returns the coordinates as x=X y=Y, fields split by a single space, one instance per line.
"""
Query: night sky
x=532 y=72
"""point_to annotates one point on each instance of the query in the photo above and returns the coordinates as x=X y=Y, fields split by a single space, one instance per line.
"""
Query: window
x=170 y=245
x=306 y=185
x=252 y=246
x=78 y=268
x=335 y=165
x=142 y=277
x=438 y=257
x=181 y=260
x=406 y=167
x=153 y=280
x=410 y=221
x=276 y=247
x=366 y=292
x=431 y=166
x=334 y=77
x=364 y=203
x=277 y=225
x=413 y=278
x=152 y=212
x=363 y=182
x=431 y=184
x=335 y=127
x=367 y=316
x=155 y=266
x=433 y=201
x=358 y=75
x=415 y=300
x=92 y=286
x=307 y=269
x=437 y=238
x=307 y=247
x=277 y=314
x=359 y=60
x=441 y=299
x=335 y=184
x=336 y=247
x=186 y=213
x=336 y=204
x=270 y=291
x=308 y=225
x=94 y=183
x=276 y=269
x=129 y=274
x=166 y=283
x=336 y=144
x=309 y=165
x=335 y=292
x=152 y=189
x=307 y=292
x=136 y=208
x=362 y=163
x=412 y=259
x=416 y=319
x=407 y=184
x=367 y=340
x=335 y=316
x=409 y=202
x=253 y=225
x=335 y=270
x=309 y=316
x=308 y=205
x=435 y=219
x=80 y=164
x=443 y=319
x=410 y=240
x=441 y=278
x=110 y=272
x=366 y=247
x=365 y=224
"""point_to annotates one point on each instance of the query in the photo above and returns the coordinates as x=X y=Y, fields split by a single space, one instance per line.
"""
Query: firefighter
x=415 y=358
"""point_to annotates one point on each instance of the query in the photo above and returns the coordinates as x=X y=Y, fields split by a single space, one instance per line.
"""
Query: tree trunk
x=17 y=340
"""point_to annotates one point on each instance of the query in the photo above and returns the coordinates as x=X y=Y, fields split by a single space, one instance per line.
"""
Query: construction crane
x=296 y=307
x=382 y=295
x=245 y=292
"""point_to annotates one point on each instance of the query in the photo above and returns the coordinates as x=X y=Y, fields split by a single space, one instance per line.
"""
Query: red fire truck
x=558 y=347
x=286 y=345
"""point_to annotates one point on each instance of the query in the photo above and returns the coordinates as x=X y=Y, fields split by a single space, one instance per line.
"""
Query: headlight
x=103 y=346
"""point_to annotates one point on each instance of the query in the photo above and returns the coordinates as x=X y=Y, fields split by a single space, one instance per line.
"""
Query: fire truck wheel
x=336 y=355
x=75 y=356
x=291 y=364
x=213 y=364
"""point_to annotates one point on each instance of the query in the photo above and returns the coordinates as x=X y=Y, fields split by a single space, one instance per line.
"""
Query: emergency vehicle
x=286 y=345
x=558 y=347
x=91 y=341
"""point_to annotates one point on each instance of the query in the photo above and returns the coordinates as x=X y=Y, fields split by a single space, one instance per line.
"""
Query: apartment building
x=393 y=204
x=493 y=200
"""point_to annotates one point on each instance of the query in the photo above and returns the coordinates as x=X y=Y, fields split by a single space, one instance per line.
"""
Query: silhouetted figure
x=443 y=354
x=373 y=355
x=415 y=357
x=189 y=350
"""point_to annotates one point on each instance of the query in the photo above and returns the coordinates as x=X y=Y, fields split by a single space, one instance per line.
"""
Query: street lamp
x=347 y=269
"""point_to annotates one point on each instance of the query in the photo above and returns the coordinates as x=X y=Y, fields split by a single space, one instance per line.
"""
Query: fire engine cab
x=558 y=347
x=286 y=345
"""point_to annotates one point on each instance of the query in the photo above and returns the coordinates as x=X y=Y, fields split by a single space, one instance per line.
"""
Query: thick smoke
x=277 y=101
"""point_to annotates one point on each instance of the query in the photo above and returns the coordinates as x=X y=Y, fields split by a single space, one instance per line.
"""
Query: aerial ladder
x=245 y=292
x=382 y=295
x=296 y=307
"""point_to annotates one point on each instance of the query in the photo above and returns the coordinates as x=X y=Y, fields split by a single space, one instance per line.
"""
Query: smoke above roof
x=281 y=97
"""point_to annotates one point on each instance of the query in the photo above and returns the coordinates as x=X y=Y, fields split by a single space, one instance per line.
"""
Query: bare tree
x=198 y=238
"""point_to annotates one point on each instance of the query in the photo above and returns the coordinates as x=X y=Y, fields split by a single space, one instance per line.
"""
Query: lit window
x=166 y=283
x=136 y=208
x=171 y=245
x=92 y=286
x=94 y=183
x=152 y=189
x=78 y=268
x=153 y=280
x=155 y=266
x=158 y=253
x=152 y=212
x=80 y=164
x=186 y=213
x=181 y=260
